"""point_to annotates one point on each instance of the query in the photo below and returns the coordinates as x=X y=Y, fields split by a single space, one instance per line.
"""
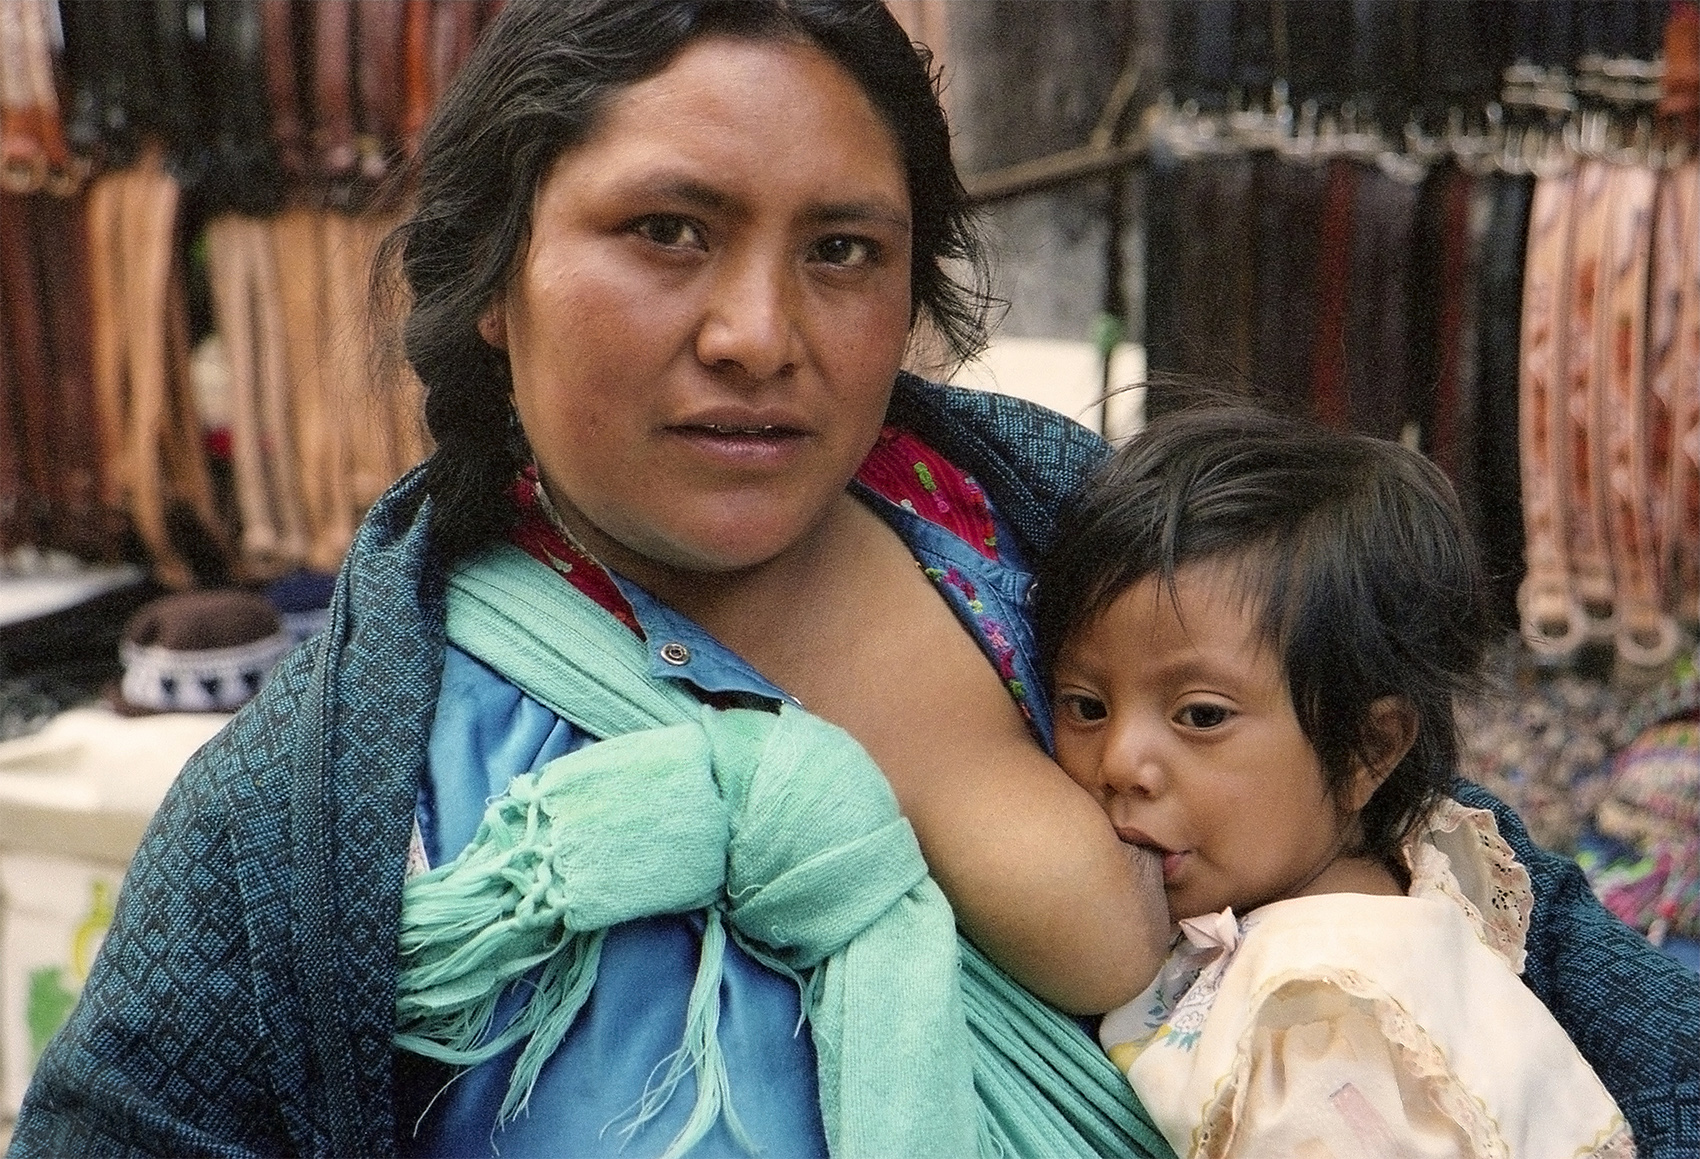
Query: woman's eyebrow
x=692 y=191
x=687 y=190
x=855 y=212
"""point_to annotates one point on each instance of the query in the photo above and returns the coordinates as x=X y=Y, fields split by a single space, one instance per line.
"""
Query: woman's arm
x=1036 y=875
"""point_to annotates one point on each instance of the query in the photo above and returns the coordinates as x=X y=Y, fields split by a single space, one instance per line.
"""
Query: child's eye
x=1078 y=706
x=845 y=252
x=670 y=230
x=1203 y=715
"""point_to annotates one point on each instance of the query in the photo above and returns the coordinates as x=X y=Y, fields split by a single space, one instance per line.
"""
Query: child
x=1256 y=629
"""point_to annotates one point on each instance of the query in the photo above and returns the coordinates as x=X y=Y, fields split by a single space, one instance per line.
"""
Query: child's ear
x=1391 y=731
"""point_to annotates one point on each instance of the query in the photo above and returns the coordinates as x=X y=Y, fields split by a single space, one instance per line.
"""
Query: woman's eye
x=666 y=229
x=1083 y=708
x=1203 y=715
x=845 y=251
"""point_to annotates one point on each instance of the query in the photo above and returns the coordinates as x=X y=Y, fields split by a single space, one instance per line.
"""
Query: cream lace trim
x=1457 y=853
x=1424 y=1062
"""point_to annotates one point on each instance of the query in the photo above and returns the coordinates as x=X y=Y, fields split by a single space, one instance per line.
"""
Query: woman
x=665 y=261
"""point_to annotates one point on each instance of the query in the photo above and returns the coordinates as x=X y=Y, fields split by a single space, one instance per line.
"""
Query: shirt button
x=675 y=653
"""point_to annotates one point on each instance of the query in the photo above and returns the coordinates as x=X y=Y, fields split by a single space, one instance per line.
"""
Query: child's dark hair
x=1352 y=550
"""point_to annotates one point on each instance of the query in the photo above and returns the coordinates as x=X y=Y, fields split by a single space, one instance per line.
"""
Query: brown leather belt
x=84 y=525
x=333 y=104
x=246 y=300
x=139 y=344
x=1645 y=634
x=373 y=458
x=418 y=96
x=378 y=33
x=283 y=96
x=15 y=499
x=51 y=488
x=298 y=250
x=27 y=346
x=1553 y=624
x=1682 y=512
x=1672 y=376
x=1581 y=459
x=1329 y=404
x=456 y=30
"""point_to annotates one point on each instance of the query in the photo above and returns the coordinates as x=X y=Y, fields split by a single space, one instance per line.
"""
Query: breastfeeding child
x=1256 y=630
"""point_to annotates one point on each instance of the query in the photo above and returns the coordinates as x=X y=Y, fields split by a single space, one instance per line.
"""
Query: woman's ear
x=493 y=323
x=1391 y=730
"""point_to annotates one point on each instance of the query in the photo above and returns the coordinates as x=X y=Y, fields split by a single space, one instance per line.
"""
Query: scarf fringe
x=698 y=1053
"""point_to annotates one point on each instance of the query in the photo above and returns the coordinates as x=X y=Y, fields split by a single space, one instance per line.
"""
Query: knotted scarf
x=757 y=820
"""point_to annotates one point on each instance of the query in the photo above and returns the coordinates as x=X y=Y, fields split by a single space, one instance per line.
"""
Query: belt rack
x=1607 y=386
x=183 y=170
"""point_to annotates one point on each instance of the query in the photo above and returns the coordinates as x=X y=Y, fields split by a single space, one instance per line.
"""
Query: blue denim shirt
x=487 y=731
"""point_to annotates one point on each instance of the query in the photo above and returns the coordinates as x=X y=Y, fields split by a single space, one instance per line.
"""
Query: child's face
x=1183 y=729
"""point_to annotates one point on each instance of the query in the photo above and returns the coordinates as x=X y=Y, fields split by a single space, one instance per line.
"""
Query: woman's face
x=705 y=325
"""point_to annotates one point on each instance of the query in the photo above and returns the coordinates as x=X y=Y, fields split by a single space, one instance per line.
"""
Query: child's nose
x=1133 y=762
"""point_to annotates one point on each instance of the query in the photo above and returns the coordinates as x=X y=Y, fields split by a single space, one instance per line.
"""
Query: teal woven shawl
x=756 y=820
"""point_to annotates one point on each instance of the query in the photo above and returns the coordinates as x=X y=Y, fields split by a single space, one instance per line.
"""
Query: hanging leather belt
x=418 y=97
x=250 y=320
x=333 y=129
x=49 y=410
x=378 y=32
x=139 y=341
x=1581 y=461
x=27 y=344
x=83 y=525
x=371 y=460
x=277 y=50
x=1553 y=624
x=1377 y=308
x=1329 y=403
x=11 y=473
x=456 y=31
x=298 y=247
x=1681 y=530
x=1672 y=376
x=1645 y=634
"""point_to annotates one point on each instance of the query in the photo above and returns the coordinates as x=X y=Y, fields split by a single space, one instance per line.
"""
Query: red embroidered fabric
x=537 y=536
x=908 y=472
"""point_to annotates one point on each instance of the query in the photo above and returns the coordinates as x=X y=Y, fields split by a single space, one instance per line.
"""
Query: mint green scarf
x=756 y=820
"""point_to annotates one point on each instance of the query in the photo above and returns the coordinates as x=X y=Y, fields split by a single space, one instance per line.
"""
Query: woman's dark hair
x=534 y=88
x=1352 y=551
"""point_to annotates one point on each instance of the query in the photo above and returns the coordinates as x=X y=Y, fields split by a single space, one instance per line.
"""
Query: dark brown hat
x=198 y=651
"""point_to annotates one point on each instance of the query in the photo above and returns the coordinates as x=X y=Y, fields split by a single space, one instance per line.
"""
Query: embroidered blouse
x=1348 y=1025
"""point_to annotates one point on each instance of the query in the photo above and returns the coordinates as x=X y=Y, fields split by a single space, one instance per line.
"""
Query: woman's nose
x=748 y=323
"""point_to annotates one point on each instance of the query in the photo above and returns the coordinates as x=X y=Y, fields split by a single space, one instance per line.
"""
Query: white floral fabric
x=1351 y=1026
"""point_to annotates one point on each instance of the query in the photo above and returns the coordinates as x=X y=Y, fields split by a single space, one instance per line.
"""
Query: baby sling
x=754 y=819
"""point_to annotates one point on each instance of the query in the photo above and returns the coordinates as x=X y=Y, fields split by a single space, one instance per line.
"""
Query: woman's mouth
x=725 y=429
x=742 y=444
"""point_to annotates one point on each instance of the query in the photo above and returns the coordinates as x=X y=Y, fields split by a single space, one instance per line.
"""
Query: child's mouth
x=1139 y=839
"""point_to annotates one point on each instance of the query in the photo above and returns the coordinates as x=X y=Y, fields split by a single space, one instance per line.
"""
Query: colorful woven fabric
x=1650 y=806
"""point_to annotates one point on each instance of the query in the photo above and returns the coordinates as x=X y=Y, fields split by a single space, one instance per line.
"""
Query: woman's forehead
x=770 y=92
